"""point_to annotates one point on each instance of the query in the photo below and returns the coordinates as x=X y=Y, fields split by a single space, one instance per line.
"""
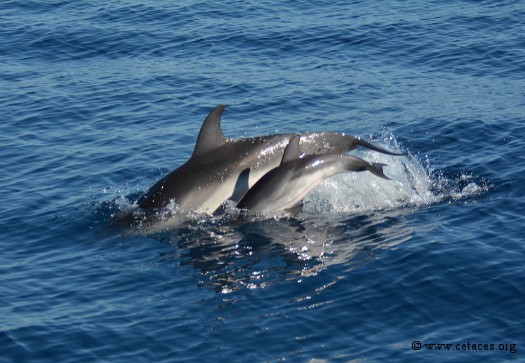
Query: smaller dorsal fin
x=211 y=135
x=292 y=150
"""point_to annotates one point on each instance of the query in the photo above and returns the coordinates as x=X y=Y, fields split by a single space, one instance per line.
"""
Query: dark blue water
x=98 y=100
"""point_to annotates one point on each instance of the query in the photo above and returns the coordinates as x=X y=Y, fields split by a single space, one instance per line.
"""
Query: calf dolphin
x=284 y=187
x=221 y=168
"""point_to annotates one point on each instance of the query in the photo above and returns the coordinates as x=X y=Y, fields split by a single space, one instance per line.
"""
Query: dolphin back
x=318 y=143
x=373 y=147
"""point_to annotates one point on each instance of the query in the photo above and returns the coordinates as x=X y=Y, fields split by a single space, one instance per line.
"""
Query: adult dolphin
x=221 y=168
x=284 y=187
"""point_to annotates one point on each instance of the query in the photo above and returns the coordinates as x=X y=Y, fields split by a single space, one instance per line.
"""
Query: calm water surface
x=101 y=99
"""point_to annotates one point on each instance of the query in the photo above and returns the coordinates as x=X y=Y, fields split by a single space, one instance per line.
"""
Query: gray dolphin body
x=221 y=168
x=284 y=187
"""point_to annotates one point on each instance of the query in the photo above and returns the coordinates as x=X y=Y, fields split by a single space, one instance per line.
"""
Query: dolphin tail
x=371 y=146
x=377 y=170
x=353 y=163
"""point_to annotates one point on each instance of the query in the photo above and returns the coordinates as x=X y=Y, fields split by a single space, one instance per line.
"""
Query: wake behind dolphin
x=221 y=168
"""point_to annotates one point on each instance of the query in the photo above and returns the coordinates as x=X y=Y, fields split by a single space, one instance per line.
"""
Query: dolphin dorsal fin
x=292 y=150
x=211 y=135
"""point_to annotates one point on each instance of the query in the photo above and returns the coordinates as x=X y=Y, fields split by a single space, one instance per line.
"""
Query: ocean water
x=98 y=100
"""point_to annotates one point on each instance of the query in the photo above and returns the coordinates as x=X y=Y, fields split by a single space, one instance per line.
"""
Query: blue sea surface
x=100 y=99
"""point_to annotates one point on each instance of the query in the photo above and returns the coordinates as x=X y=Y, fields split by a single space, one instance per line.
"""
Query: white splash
x=412 y=185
